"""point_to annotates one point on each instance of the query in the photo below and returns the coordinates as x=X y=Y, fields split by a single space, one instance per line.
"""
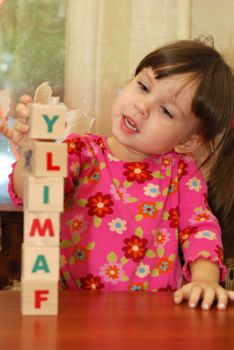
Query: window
x=32 y=50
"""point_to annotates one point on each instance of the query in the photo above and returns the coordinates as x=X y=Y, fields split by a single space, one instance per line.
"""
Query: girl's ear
x=190 y=145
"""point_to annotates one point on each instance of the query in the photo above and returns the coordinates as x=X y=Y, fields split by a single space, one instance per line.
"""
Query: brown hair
x=221 y=193
x=213 y=104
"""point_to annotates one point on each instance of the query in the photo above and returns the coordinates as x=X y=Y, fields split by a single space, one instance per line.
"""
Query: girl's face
x=153 y=116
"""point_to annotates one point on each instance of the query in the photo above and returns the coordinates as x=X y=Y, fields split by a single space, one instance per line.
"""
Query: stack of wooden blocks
x=45 y=166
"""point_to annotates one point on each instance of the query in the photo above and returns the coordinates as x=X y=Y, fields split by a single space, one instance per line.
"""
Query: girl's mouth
x=130 y=124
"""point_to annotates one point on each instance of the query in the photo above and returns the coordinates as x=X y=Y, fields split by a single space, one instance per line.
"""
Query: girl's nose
x=143 y=108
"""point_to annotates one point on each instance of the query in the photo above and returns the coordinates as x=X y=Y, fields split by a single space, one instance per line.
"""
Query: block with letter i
x=45 y=167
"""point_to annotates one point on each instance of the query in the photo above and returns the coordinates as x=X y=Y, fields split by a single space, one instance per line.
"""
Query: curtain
x=105 y=40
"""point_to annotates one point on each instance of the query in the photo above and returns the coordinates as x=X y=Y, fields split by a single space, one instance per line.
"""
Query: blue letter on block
x=46 y=195
x=40 y=264
x=49 y=122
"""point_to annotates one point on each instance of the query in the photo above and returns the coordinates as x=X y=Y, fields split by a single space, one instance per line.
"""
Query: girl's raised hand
x=18 y=134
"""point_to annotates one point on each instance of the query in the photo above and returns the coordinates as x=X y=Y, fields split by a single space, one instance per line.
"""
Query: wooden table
x=115 y=321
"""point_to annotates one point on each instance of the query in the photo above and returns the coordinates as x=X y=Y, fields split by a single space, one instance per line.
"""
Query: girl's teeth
x=129 y=123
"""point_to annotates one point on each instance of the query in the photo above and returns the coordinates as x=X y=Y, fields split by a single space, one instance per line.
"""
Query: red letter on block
x=50 y=166
x=39 y=297
x=36 y=226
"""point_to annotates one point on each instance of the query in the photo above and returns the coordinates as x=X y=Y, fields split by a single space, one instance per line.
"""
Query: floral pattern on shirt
x=123 y=222
x=132 y=216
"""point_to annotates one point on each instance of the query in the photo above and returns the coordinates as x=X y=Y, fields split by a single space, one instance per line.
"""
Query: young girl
x=133 y=199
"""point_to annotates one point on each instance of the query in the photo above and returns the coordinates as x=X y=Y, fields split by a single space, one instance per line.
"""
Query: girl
x=133 y=199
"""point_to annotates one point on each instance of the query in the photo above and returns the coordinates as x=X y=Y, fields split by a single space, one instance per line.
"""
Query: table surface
x=115 y=321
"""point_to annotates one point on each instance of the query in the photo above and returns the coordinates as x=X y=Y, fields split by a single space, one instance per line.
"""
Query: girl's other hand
x=206 y=292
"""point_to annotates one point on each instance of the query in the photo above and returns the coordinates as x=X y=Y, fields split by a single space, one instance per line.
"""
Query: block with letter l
x=47 y=121
x=45 y=159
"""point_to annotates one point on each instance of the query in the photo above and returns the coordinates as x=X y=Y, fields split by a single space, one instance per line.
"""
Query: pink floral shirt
x=126 y=225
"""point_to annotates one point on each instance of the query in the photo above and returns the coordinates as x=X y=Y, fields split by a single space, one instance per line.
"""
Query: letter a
x=40 y=264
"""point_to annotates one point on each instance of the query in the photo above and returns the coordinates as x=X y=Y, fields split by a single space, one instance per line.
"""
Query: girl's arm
x=201 y=243
x=204 y=286
x=18 y=178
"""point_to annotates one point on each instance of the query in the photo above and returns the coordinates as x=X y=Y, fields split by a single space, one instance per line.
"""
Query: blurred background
x=88 y=49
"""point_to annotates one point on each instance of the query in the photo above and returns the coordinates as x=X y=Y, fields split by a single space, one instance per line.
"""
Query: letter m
x=42 y=229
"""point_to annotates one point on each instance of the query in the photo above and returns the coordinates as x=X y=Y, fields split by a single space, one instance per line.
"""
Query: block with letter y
x=47 y=121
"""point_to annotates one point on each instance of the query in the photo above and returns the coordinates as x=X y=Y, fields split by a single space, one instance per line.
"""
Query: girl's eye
x=142 y=86
x=166 y=112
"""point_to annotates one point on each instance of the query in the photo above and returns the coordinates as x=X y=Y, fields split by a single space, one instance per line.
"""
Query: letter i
x=46 y=194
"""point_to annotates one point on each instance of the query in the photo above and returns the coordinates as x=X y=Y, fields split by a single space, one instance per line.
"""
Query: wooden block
x=40 y=262
x=39 y=297
x=47 y=121
x=41 y=228
x=43 y=194
x=47 y=159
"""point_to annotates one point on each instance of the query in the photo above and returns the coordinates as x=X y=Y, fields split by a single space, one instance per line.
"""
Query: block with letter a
x=40 y=262
x=45 y=167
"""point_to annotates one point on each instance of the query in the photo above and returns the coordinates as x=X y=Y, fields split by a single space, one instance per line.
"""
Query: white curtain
x=105 y=40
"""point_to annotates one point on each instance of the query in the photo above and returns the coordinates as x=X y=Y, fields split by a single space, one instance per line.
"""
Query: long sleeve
x=199 y=230
x=14 y=199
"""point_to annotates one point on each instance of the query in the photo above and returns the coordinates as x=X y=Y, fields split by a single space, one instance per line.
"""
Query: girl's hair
x=213 y=104
x=221 y=194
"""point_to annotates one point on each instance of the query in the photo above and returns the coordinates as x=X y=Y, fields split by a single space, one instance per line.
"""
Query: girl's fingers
x=22 y=111
x=17 y=135
x=230 y=294
x=6 y=131
x=195 y=296
x=209 y=295
x=182 y=294
x=26 y=99
x=21 y=127
x=178 y=296
x=222 y=298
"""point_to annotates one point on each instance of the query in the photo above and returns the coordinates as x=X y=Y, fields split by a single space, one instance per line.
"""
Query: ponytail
x=221 y=194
